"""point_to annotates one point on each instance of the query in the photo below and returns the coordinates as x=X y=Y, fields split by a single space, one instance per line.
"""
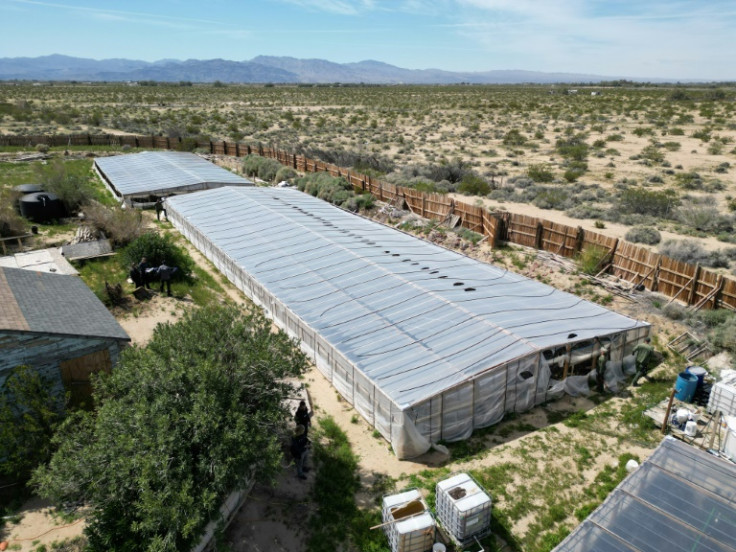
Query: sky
x=672 y=39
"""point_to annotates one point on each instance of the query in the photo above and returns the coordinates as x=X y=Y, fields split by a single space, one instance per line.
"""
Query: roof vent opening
x=572 y=336
x=459 y=284
x=434 y=272
x=469 y=289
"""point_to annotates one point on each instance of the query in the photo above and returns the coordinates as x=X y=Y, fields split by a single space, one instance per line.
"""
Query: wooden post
x=424 y=205
x=694 y=285
x=667 y=413
x=538 y=236
x=717 y=294
x=655 y=276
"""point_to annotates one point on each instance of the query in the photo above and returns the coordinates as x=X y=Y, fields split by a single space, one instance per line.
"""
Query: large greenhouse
x=425 y=343
x=137 y=179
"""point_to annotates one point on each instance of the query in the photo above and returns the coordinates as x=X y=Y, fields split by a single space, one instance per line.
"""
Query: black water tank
x=41 y=207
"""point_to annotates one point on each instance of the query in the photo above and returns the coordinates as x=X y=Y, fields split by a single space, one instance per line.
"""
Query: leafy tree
x=473 y=184
x=158 y=248
x=29 y=414
x=180 y=424
x=73 y=189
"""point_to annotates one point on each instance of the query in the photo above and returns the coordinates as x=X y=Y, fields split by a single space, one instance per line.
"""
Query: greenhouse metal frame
x=427 y=344
x=137 y=179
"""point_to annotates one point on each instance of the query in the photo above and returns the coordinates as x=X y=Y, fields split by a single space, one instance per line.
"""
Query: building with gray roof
x=426 y=343
x=54 y=323
x=139 y=178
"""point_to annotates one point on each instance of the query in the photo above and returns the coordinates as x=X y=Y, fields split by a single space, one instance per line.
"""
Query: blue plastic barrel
x=685 y=386
x=698 y=371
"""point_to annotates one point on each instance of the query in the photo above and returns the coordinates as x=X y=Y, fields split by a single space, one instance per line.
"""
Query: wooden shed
x=55 y=324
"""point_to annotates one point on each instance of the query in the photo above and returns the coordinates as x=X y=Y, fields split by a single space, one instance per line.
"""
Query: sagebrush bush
x=121 y=226
x=644 y=234
x=473 y=184
x=337 y=191
x=285 y=173
x=647 y=202
x=690 y=251
x=261 y=167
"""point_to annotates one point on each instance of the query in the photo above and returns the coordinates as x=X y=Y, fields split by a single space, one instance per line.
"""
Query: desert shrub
x=473 y=184
x=590 y=259
x=652 y=153
x=285 y=173
x=551 y=198
x=672 y=146
x=689 y=180
x=724 y=335
x=690 y=251
x=704 y=216
x=261 y=167
x=540 y=173
x=647 y=202
x=644 y=234
x=337 y=191
x=521 y=182
x=11 y=223
x=121 y=226
x=158 y=248
x=514 y=138
x=369 y=163
x=674 y=311
x=585 y=211
x=573 y=148
x=74 y=190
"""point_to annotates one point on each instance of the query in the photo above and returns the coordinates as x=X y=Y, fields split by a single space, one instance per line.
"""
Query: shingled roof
x=40 y=302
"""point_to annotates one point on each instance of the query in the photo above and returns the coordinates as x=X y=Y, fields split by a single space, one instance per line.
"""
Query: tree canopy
x=180 y=423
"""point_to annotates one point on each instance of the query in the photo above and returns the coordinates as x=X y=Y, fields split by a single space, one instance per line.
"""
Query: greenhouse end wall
x=452 y=415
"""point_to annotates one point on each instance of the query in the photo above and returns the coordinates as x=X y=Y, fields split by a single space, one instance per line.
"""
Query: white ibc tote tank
x=409 y=525
x=463 y=508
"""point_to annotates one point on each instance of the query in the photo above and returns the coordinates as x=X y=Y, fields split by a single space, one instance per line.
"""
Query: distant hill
x=262 y=69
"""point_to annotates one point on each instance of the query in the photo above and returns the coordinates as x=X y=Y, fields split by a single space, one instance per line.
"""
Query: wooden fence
x=691 y=284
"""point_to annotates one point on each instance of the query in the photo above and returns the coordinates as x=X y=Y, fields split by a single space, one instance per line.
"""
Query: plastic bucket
x=699 y=372
x=685 y=386
x=439 y=547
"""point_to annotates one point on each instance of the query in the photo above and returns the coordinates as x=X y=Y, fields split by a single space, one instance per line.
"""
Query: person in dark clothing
x=161 y=208
x=143 y=267
x=164 y=274
x=299 y=450
x=135 y=275
x=303 y=416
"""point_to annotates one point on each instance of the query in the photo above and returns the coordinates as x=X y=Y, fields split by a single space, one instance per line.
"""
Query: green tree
x=29 y=414
x=73 y=189
x=180 y=424
x=158 y=248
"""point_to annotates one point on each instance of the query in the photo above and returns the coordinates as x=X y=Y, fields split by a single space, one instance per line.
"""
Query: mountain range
x=262 y=69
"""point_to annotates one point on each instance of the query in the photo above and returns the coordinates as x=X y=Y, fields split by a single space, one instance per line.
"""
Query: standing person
x=164 y=274
x=143 y=267
x=299 y=450
x=135 y=275
x=161 y=208
x=642 y=355
x=303 y=416
x=600 y=370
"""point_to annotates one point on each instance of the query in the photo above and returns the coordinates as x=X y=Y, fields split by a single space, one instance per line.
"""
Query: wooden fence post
x=693 y=285
x=538 y=236
x=655 y=276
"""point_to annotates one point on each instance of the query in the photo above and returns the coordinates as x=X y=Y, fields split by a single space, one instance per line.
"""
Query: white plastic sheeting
x=427 y=344
x=161 y=173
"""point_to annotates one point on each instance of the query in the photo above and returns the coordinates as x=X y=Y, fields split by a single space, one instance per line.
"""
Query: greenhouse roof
x=681 y=499
x=159 y=172
x=414 y=317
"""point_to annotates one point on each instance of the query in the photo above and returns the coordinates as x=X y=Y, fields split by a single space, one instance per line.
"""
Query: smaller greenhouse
x=681 y=499
x=139 y=179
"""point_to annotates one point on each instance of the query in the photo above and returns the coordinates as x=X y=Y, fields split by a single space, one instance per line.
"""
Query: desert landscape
x=651 y=164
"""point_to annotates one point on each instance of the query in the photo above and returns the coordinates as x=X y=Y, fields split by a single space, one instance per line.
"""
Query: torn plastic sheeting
x=406 y=441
